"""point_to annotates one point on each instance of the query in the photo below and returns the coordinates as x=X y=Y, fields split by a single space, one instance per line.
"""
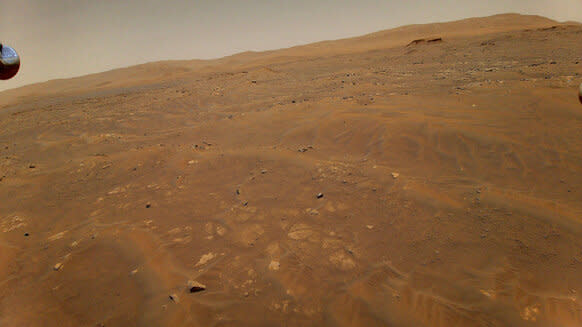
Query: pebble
x=58 y=266
x=174 y=297
x=395 y=175
x=319 y=195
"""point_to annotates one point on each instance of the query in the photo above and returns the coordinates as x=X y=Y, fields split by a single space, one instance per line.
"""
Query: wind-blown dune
x=371 y=181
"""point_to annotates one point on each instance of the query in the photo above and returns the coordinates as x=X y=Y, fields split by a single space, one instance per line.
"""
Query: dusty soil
x=450 y=175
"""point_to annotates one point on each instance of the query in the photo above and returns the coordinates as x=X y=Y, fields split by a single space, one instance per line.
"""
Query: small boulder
x=195 y=286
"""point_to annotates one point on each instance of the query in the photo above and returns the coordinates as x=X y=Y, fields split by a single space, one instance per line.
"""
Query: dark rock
x=195 y=289
x=414 y=42
x=26 y=234
x=148 y=205
x=319 y=195
x=195 y=286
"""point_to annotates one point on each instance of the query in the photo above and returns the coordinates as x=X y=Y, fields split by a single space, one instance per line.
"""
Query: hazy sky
x=65 y=38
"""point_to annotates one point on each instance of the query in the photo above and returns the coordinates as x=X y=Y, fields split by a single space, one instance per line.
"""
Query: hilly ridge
x=167 y=70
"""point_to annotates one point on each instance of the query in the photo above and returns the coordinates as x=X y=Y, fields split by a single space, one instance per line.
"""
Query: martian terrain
x=428 y=175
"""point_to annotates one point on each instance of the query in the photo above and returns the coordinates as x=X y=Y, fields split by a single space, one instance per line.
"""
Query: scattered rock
x=26 y=234
x=436 y=39
x=319 y=195
x=395 y=175
x=195 y=286
x=370 y=226
x=174 y=297
x=263 y=171
x=31 y=166
x=58 y=266
x=148 y=205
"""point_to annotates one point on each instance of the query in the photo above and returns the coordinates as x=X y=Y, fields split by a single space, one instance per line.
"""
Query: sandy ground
x=360 y=182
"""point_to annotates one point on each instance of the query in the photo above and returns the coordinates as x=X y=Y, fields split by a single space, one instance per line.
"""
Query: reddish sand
x=450 y=175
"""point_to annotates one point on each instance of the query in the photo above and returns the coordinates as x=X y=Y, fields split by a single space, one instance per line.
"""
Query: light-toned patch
x=488 y=293
x=274 y=265
x=174 y=231
x=311 y=211
x=249 y=234
x=331 y=243
x=209 y=228
x=342 y=261
x=530 y=313
x=119 y=189
x=329 y=207
x=205 y=259
x=300 y=232
x=221 y=231
x=11 y=223
x=182 y=240
x=57 y=236
x=274 y=250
